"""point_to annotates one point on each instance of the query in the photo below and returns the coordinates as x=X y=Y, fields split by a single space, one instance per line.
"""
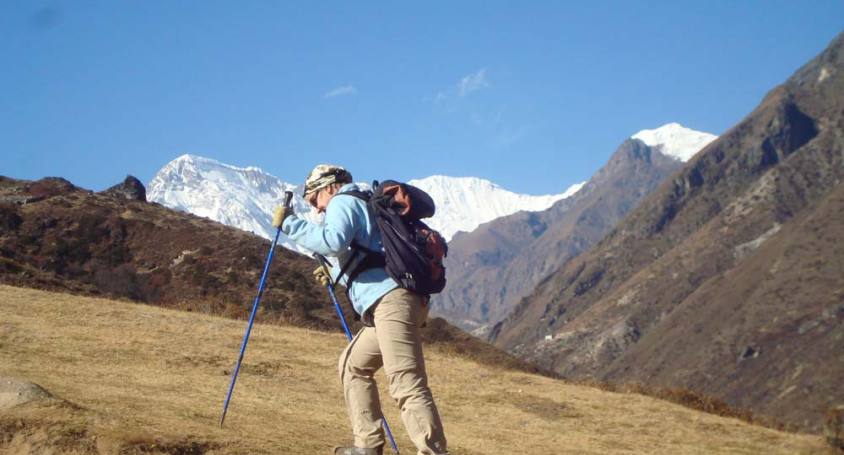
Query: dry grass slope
x=136 y=379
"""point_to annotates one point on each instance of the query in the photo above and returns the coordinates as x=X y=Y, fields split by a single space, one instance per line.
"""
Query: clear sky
x=534 y=95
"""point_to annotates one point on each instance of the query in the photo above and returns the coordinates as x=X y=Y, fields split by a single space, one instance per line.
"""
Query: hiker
x=392 y=317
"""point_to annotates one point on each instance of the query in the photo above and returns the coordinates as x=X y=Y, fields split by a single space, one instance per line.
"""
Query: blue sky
x=534 y=96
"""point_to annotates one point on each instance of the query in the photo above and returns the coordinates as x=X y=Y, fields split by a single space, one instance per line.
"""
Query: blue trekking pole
x=288 y=196
x=324 y=263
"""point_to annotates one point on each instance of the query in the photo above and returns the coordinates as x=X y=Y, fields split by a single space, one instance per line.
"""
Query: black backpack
x=413 y=252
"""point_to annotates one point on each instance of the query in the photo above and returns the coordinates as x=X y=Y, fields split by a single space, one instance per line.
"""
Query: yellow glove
x=280 y=214
x=321 y=275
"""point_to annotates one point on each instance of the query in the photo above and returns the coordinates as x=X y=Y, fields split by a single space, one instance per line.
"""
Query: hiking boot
x=358 y=451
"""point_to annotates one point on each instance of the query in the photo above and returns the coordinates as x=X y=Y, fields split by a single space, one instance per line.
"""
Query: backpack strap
x=371 y=259
x=365 y=196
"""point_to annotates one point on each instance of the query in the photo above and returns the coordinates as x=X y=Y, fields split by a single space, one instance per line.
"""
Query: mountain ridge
x=501 y=262
x=467 y=203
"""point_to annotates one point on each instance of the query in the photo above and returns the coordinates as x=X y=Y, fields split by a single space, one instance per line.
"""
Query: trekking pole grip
x=288 y=198
x=322 y=261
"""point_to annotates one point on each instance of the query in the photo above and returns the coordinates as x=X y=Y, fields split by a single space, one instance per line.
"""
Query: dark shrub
x=10 y=220
x=121 y=281
x=834 y=427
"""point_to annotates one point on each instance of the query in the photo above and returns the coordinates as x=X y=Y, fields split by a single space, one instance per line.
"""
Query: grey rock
x=750 y=352
x=14 y=392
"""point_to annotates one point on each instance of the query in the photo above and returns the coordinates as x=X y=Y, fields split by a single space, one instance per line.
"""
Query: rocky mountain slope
x=492 y=268
x=728 y=279
x=61 y=237
x=56 y=236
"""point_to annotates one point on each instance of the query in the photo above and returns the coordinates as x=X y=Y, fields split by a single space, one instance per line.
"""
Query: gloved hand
x=281 y=212
x=321 y=275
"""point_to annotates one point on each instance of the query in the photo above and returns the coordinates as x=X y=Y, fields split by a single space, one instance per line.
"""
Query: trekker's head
x=323 y=183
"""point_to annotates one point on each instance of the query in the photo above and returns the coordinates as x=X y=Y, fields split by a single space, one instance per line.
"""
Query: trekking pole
x=288 y=196
x=324 y=263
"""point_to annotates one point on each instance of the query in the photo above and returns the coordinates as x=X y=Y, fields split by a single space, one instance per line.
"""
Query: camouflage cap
x=324 y=175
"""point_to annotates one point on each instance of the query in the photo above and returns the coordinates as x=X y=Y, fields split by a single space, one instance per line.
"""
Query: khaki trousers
x=395 y=343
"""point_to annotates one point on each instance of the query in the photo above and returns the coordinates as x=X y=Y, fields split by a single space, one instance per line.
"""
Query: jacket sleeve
x=343 y=220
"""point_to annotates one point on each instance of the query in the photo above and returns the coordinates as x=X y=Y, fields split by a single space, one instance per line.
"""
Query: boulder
x=14 y=392
x=131 y=189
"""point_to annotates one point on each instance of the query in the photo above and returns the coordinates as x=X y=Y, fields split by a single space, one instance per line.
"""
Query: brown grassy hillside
x=58 y=236
x=136 y=379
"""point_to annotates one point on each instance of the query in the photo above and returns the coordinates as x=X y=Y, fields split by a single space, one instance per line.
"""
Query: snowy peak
x=246 y=197
x=239 y=197
x=464 y=203
x=675 y=140
x=188 y=169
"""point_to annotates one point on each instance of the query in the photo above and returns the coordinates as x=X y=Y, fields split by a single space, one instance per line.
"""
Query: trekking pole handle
x=326 y=267
x=288 y=198
x=322 y=261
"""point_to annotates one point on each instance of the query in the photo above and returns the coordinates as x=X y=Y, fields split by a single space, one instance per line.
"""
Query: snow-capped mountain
x=464 y=203
x=245 y=197
x=675 y=140
x=239 y=197
x=495 y=266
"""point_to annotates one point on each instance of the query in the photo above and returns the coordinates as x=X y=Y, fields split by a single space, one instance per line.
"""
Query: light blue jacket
x=346 y=219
